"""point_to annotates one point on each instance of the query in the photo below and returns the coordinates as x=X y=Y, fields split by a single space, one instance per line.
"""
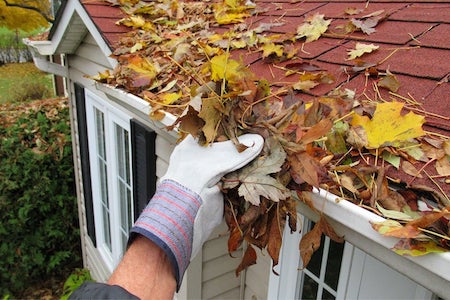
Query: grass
x=20 y=81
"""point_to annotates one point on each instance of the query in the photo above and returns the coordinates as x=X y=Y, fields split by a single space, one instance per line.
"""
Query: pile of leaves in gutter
x=181 y=58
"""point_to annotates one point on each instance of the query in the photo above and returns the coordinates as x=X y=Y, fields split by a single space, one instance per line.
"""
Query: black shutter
x=144 y=165
x=85 y=164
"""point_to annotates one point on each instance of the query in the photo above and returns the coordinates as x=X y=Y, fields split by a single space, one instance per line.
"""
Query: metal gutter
x=40 y=51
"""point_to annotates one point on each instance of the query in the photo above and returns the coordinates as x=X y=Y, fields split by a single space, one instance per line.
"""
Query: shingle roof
x=413 y=40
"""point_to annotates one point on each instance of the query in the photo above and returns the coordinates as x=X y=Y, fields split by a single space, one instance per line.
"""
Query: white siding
x=257 y=277
x=219 y=280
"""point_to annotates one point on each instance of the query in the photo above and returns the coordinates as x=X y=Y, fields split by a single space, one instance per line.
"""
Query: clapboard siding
x=94 y=263
x=211 y=289
x=91 y=52
x=257 y=277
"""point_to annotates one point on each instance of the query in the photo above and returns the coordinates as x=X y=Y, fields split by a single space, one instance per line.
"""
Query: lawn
x=22 y=81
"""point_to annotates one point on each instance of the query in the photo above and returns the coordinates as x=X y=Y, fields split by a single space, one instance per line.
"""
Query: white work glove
x=188 y=204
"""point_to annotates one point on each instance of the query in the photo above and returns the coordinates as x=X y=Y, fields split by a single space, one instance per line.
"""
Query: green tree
x=25 y=15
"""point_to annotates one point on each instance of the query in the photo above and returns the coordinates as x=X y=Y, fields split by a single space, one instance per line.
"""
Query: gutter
x=41 y=52
x=431 y=271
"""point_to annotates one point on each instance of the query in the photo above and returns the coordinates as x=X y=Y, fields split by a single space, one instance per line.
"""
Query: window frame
x=112 y=117
x=285 y=285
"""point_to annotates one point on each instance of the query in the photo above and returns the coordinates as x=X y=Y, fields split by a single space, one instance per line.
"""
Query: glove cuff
x=168 y=221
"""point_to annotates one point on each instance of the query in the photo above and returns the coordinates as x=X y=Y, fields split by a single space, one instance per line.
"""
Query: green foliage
x=75 y=279
x=38 y=213
x=21 y=82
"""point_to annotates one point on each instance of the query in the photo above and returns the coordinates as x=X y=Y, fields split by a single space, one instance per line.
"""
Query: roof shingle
x=413 y=40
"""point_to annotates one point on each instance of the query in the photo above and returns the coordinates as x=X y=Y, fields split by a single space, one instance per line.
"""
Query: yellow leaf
x=313 y=28
x=211 y=116
x=417 y=247
x=223 y=67
x=388 y=126
x=169 y=98
x=271 y=48
x=360 y=49
x=304 y=85
x=230 y=12
x=138 y=46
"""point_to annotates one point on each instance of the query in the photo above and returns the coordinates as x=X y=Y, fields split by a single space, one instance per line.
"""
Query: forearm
x=145 y=271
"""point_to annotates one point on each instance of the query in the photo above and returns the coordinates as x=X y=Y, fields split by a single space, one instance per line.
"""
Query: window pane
x=106 y=227
x=327 y=296
x=309 y=290
x=123 y=182
x=100 y=124
x=103 y=177
x=316 y=260
x=123 y=153
x=335 y=253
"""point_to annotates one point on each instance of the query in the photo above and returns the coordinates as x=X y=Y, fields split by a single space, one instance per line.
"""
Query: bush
x=38 y=213
x=33 y=90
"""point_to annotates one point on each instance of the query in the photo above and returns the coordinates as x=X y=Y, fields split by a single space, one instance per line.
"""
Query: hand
x=188 y=204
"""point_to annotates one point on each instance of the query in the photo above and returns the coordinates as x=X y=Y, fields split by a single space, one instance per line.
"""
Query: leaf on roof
x=231 y=11
x=366 y=25
x=169 y=98
x=225 y=68
x=443 y=166
x=271 y=48
x=353 y=10
x=136 y=22
x=390 y=82
x=361 y=49
x=145 y=71
x=313 y=27
x=388 y=126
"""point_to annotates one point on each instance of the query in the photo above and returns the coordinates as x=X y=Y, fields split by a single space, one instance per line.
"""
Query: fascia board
x=95 y=32
x=140 y=107
x=72 y=10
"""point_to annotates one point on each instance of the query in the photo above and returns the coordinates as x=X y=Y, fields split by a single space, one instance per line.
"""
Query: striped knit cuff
x=168 y=221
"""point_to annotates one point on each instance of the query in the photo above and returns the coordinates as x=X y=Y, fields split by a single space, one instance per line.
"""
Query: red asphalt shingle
x=414 y=44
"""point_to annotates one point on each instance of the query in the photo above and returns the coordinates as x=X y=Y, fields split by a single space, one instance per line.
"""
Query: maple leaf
x=388 y=126
x=361 y=49
x=223 y=67
x=271 y=48
x=367 y=25
x=313 y=28
x=255 y=180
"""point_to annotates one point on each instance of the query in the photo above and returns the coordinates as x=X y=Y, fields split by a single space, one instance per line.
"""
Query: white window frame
x=112 y=116
x=284 y=285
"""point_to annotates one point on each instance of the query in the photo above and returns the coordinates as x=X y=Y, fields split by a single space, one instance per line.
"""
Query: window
x=319 y=280
x=108 y=131
x=325 y=276
x=337 y=271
